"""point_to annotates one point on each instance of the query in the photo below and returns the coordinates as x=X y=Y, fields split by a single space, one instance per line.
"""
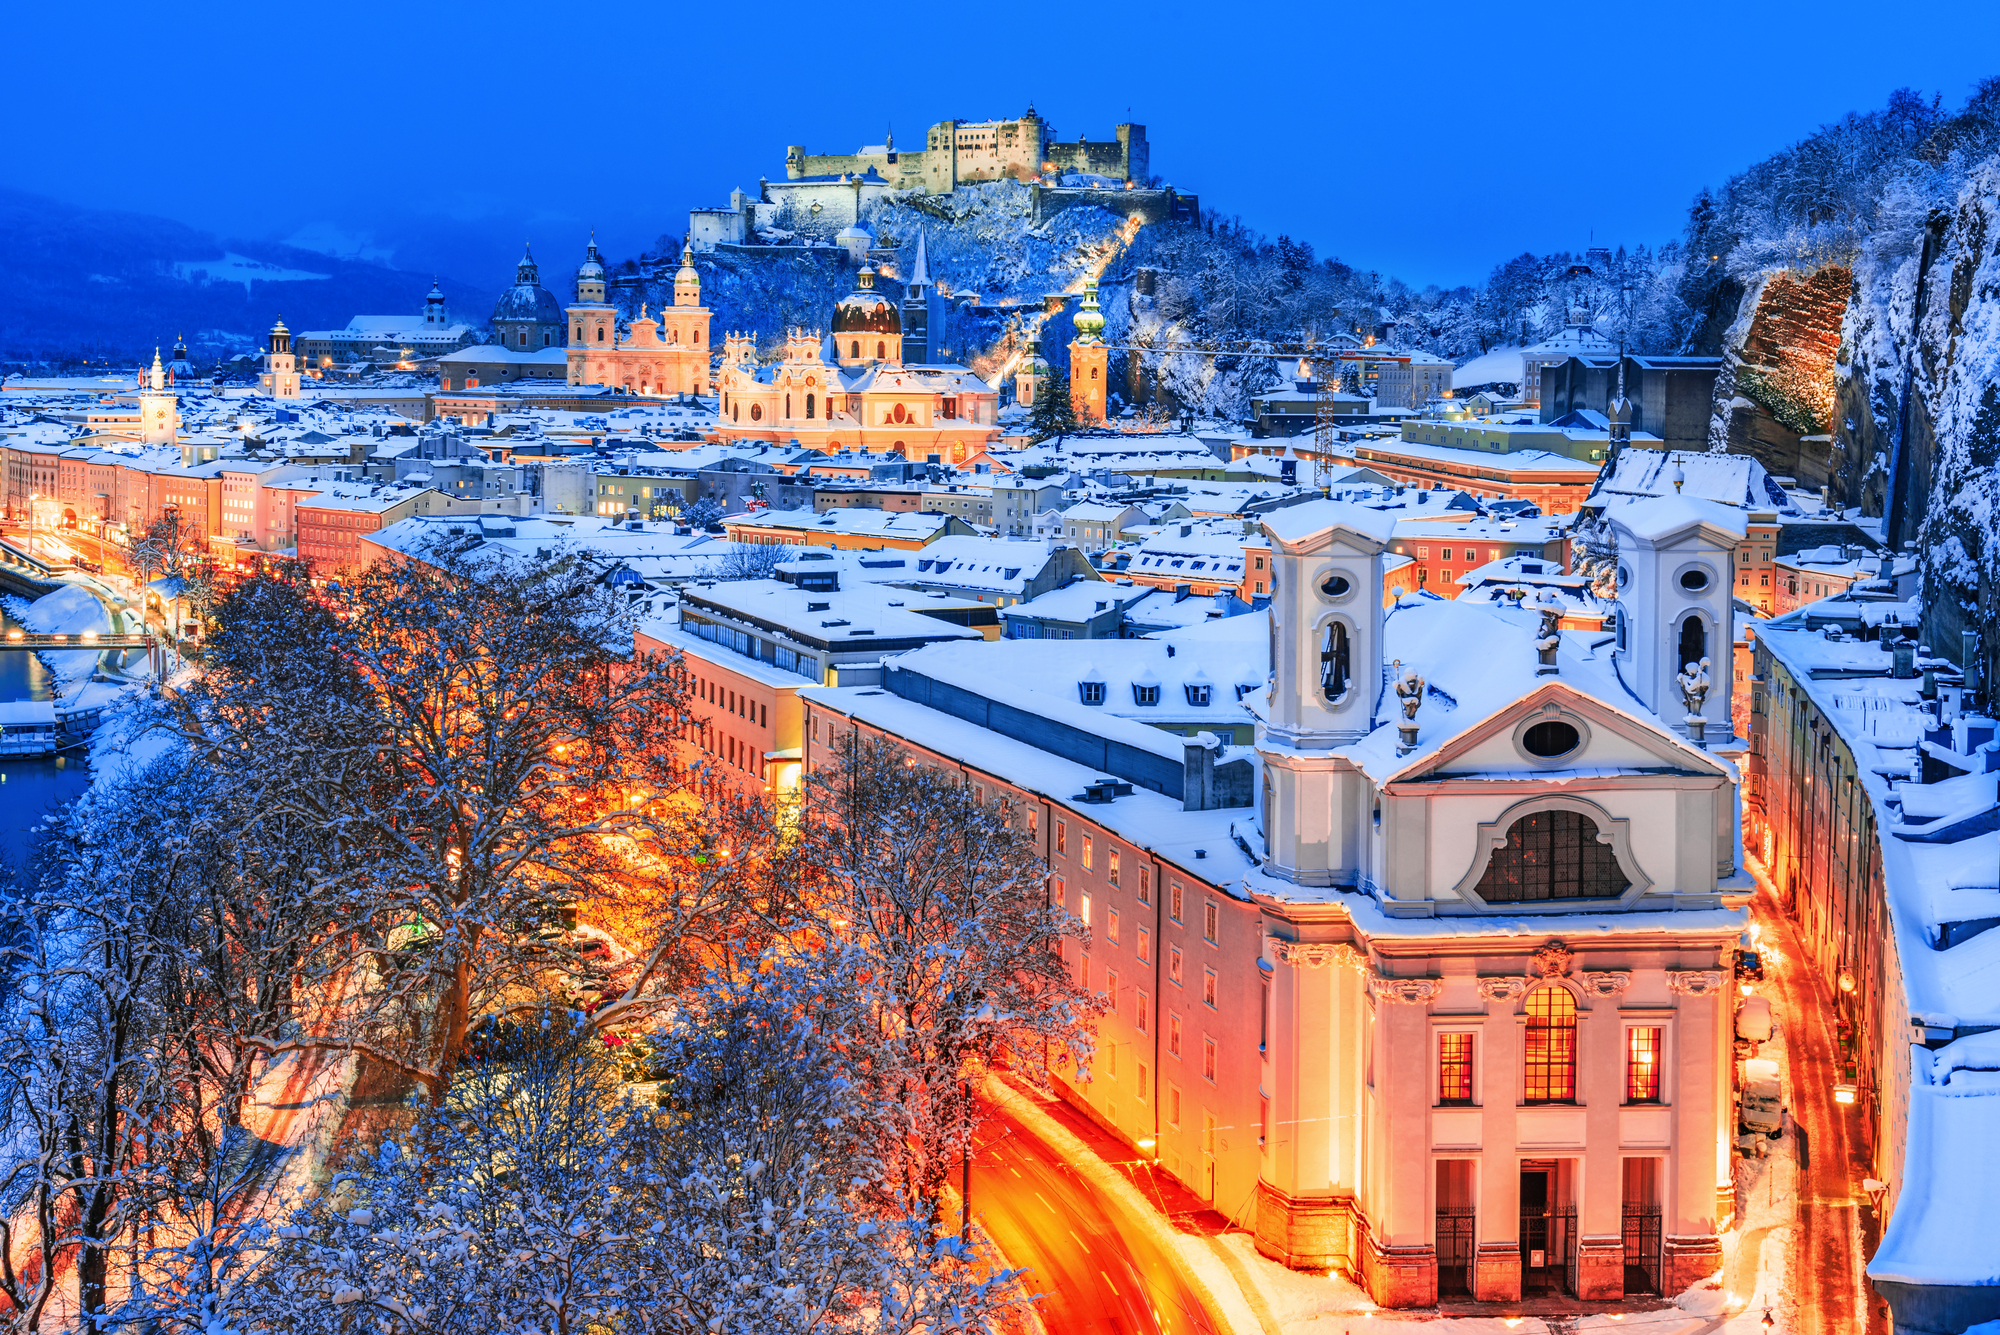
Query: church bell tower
x=1089 y=361
x=1326 y=683
x=281 y=367
x=159 y=409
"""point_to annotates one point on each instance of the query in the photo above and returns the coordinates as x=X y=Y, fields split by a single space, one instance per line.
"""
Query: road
x=1828 y=1245
x=1090 y=1275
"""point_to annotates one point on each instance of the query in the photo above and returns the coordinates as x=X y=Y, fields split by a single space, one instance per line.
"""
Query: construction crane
x=1321 y=360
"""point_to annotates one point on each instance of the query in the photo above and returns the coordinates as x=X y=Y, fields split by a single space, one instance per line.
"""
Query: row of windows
x=1548 y=1056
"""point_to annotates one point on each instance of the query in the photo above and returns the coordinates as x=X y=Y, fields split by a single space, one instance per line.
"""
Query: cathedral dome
x=527 y=300
x=866 y=311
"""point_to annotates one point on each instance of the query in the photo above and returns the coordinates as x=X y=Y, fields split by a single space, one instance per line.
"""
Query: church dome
x=528 y=300
x=866 y=311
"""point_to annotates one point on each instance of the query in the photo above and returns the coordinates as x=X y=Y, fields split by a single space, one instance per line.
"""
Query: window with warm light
x=1642 y=1064
x=1549 y=1047
x=1454 y=1069
x=1088 y=862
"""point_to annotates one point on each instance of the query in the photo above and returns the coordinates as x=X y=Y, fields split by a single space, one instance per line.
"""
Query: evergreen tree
x=1053 y=413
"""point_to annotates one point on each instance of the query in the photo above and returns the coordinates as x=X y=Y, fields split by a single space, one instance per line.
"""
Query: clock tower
x=281 y=367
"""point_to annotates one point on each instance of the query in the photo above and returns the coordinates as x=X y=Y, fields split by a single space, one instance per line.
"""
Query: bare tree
x=750 y=560
x=938 y=925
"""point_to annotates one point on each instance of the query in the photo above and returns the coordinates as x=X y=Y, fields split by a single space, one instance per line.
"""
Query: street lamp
x=1843 y=1093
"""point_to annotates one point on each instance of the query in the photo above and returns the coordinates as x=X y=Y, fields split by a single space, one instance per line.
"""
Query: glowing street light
x=1843 y=1093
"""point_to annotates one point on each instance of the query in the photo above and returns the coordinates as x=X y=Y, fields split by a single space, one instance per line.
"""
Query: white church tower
x=1676 y=572
x=281 y=367
x=159 y=408
x=1326 y=683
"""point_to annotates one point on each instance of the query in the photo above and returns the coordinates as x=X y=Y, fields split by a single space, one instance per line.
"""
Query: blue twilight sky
x=1426 y=140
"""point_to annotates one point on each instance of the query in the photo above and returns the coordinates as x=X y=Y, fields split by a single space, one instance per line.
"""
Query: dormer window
x=1145 y=695
x=1092 y=692
x=1199 y=695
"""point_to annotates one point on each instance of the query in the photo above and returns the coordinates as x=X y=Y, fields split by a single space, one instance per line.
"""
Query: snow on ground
x=1501 y=364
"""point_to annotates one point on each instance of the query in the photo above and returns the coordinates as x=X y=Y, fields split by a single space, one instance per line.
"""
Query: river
x=31 y=787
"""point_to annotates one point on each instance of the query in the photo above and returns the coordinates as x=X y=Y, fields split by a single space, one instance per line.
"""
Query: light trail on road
x=1090 y=1275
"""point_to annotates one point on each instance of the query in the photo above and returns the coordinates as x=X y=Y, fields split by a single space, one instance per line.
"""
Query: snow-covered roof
x=1662 y=517
x=1296 y=524
x=844 y=619
x=1732 y=479
x=1078 y=601
x=1478 y=659
x=851 y=521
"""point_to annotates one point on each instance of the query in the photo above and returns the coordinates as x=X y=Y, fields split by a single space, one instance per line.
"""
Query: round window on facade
x=1551 y=739
x=1694 y=579
x=1624 y=577
x=1336 y=585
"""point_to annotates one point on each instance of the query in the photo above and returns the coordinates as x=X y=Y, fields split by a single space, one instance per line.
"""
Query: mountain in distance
x=101 y=284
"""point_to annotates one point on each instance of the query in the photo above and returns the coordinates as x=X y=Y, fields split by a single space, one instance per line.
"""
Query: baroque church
x=1433 y=983
x=536 y=339
x=869 y=384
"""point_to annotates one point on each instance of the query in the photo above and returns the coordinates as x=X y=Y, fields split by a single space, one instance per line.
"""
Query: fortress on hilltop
x=959 y=152
x=831 y=198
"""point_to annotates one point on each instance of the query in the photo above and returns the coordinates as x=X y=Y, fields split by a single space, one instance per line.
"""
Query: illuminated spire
x=1089 y=320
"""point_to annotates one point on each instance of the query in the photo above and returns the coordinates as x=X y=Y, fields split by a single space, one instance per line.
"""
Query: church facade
x=658 y=355
x=865 y=386
x=1433 y=983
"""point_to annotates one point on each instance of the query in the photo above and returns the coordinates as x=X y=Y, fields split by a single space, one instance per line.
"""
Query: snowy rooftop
x=843 y=620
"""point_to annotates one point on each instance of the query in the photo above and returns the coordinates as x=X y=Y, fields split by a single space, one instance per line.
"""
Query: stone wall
x=1776 y=399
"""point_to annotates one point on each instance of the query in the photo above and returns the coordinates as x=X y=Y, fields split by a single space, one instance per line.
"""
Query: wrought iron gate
x=1642 y=1248
x=1566 y=1243
x=1454 y=1249
x=1536 y=1256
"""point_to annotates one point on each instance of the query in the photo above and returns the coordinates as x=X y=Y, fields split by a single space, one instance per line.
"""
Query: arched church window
x=579 y=333
x=809 y=407
x=1093 y=373
x=881 y=350
x=1618 y=627
x=697 y=335
x=854 y=348
x=600 y=333
x=756 y=412
x=1334 y=661
x=1549 y=1047
x=1694 y=640
x=1552 y=855
x=788 y=405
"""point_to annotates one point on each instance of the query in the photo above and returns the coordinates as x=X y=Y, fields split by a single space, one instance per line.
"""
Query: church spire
x=687 y=282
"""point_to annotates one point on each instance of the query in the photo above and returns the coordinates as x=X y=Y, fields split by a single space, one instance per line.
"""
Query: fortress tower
x=1089 y=360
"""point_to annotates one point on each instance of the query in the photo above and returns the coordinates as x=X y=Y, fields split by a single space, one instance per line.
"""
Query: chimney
x=1182 y=592
x=1198 y=771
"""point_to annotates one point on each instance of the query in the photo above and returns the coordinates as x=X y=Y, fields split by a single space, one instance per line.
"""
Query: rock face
x=1920 y=409
x=1775 y=396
